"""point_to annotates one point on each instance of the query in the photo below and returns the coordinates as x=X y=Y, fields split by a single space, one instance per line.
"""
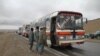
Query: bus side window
x=48 y=24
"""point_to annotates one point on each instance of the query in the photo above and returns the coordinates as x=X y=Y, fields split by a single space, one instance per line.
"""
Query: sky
x=15 y=13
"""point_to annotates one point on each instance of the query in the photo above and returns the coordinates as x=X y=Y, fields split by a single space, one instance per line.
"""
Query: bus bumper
x=66 y=43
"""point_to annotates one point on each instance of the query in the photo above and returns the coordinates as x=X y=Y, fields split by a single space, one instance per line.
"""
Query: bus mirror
x=85 y=20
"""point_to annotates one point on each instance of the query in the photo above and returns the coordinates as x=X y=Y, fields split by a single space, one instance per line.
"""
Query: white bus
x=26 y=29
x=63 y=28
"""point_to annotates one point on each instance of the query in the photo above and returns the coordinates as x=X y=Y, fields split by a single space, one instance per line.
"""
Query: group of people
x=39 y=37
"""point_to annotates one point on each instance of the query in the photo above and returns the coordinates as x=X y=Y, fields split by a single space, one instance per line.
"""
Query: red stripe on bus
x=66 y=33
x=80 y=33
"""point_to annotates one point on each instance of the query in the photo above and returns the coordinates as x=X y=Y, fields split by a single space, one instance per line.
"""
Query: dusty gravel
x=12 y=44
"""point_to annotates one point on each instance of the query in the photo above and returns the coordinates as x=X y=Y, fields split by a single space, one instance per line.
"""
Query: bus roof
x=70 y=12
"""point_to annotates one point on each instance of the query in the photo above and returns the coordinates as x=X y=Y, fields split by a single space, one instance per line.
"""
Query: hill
x=92 y=26
x=7 y=30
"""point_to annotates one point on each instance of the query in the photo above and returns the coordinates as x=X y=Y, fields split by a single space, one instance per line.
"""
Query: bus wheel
x=69 y=46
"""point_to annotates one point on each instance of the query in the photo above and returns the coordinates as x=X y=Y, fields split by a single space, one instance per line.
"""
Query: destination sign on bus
x=70 y=14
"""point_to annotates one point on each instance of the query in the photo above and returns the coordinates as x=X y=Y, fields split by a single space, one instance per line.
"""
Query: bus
x=63 y=28
x=26 y=29
x=19 y=31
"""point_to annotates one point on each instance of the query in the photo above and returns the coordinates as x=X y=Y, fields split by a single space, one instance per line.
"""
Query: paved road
x=87 y=49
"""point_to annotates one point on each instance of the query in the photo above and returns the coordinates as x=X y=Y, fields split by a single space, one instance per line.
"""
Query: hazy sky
x=14 y=13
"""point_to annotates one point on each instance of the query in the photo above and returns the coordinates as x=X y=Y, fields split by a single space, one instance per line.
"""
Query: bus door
x=52 y=31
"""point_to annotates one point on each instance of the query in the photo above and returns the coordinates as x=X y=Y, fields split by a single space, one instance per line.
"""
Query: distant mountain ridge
x=7 y=30
x=92 y=26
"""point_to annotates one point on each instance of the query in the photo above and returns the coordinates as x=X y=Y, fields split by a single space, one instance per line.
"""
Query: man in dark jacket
x=31 y=38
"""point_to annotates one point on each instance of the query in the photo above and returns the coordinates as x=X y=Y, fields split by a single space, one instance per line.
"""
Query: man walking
x=31 y=38
x=37 y=37
x=42 y=40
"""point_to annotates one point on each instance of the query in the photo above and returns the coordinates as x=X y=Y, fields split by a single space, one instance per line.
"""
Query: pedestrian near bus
x=31 y=38
x=37 y=37
x=42 y=40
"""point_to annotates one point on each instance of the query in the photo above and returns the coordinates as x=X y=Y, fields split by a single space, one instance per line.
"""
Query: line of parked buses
x=63 y=28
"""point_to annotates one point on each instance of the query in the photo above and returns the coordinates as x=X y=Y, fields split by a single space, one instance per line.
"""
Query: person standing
x=42 y=40
x=31 y=38
x=37 y=37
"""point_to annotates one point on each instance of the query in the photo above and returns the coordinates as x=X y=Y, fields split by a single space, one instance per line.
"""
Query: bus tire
x=69 y=46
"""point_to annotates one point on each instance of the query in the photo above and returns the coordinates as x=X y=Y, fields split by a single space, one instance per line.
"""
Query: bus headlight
x=82 y=37
x=61 y=37
x=79 y=37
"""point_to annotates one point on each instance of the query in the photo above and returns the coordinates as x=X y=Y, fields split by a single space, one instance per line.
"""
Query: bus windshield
x=69 y=22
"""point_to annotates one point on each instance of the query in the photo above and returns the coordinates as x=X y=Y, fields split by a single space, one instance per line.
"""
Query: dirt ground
x=12 y=44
